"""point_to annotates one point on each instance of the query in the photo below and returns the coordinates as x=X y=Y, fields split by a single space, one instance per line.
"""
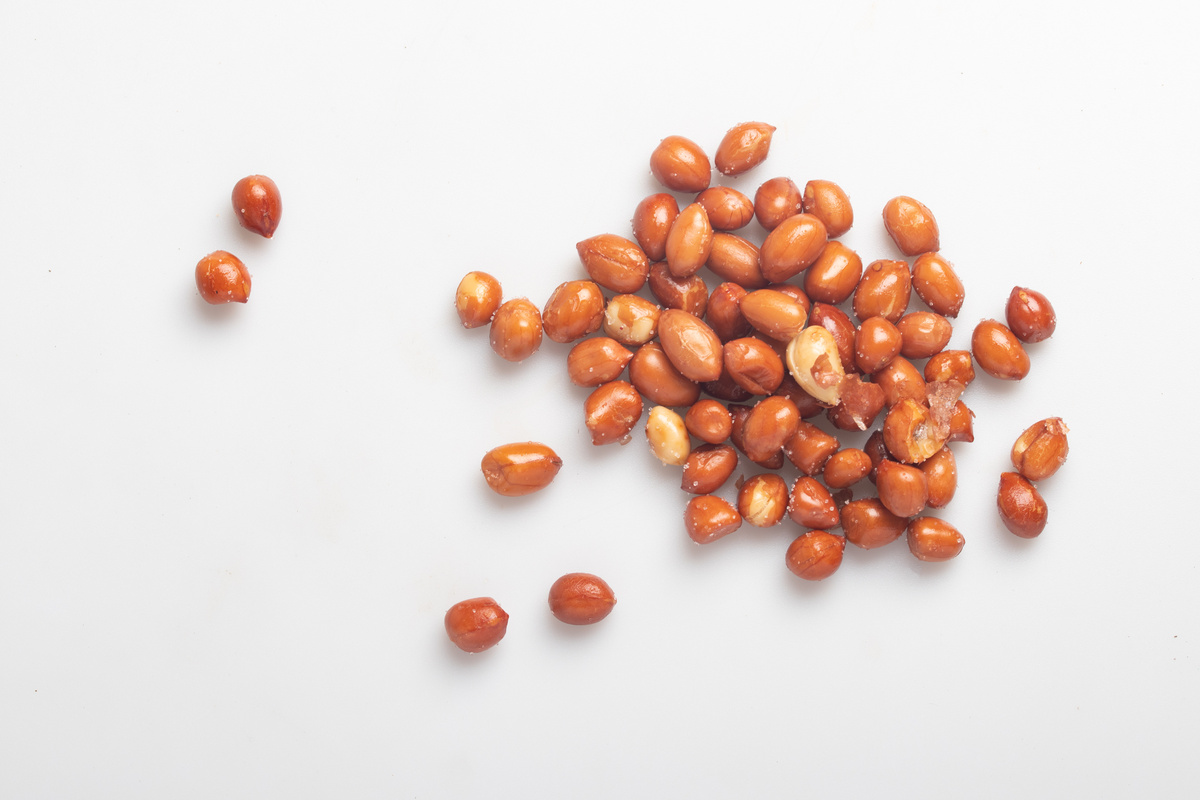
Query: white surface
x=228 y=536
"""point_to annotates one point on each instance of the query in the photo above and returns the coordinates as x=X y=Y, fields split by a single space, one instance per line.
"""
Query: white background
x=228 y=535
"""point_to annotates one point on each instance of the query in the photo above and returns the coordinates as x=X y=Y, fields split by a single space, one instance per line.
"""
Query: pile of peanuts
x=741 y=370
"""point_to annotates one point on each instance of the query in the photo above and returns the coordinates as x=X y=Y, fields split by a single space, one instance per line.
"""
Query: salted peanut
x=770 y=425
x=1030 y=315
x=884 y=291
x=941 y=477
x=877 y=451
x=924 y=334
x=911 y=226
x=808 y=405
x=762 y=500
x=846 y=468
x=652 y=220
x=693 y=347
x=575 y=309
x=867 y=524
x=724 y=388
x=475 y=625
x=257 y=204
x=815 y=555
x=933 y=539
x=728 y=209
x=937 y=284
x=814 y=363
x=596 y=361
x=631 y=320
x=909 y=433
x=708 y=421
x=810 y=448
x=614 y=262
x=743 y=147
x=962 y=425
x=516 y=331
x=950 y=365
x=476 y=299
x=998 y=352
x=1041 y=449
x=826 y=201
x=655 y=378
x=739 y=414
x=810 y=505
x=860 y=404
x=902 y=488
x=735 y=259
x=835 y=274
x=708 y=518
x=611 y=411
x=776 y=200
x=681 y=165
x=580 y=598
x=688 y=294
x=724 y=313
x=793 y=291
x=668 y=436
x=791 y=247
x=900 y=380
x=708 y=467
x=876 y=343
x=221 y=277
x=520 y=468
x=773 y=314
x=1022 y=509
x=754 y=365
x=834 y=320
x=689 y=241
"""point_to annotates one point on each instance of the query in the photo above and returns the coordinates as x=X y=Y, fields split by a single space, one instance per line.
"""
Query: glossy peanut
x=708 y=518
x=902 y=488
x=520 y=468
x=476 y=299
x=735 y=259
x=728 y=209
x=754 y=365
x=580 y=598
x=689 y=241
x=708 y=467
x=810 y=448
x=941 y=477
x=900 y=380
x=867 y=524
x=475 y=625
x=614 y=262
x=998 y=352
x=834 y=320
x=743 y=147
x=962 y=425
x=681 y=165
x=1022 y=509
x=516 y=331
x=911 y=225
x=708 y=421
x=909 y=435
x=597 y=360
x=257 y=204
x=762 y=500
x=575 y=309
x=657 y=379
x=740 y=414
x=950 y=365
x=776 y=200
x=937 y=284
x=652 y=220
x=1029 y=315
x=611 y=411
x=835 y=274
x=815 y=555
x=688 y=294
x=771 y=423
x=811 y=505
x=631 y=319
x=667 y=436
x=924 y=334
x=814 y=363
x=773 y=314
x=791 y=247
x=826 y=201
x=858 y=406
x=692 y=346
x=884 y=291
x=1041 y=449
x=933 y=539
x=876 y=343
x=221 y=277
x=846 y=468
x=793 y=291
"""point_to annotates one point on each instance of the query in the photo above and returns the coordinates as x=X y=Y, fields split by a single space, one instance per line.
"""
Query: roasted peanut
x=791 y=247
x=884 y=291
x=1021 y=506
x=814 y=363
x=962 y=427
x=575 y=309
x=681 y=165
x=933 y=539
x=998 y=352
x=652 y=220
x=475 y=625
x=773 y=314
x=516 y=331
x=846 y=468
x=614 y=262
x=834 y=320
x=826 y=201
x=520 y=468
x=776 y=200
x=941 y=477
x=911 y=226
x=771 y=424
x=835 y=274
x=709 y=421
x=1030 y=315
x=743 y=147
x=221 y=277
x=900 y=380
x=908 y=433
x=734 y=259
x=902 y=488
x=708 y=518
x=728 y=209
x=950 y=365
x=631 y=320
x=923 y=333
x=762 y=500
x=754 y=365
x=688 y=294
x=692 y=346
x=708 y=467
x=596 y=361
x=859 y=405
x=740 y=414
x=815 y=555
x=810 y=448
x=1041 y=449
x=476 y=299
x=876 y=343
x=867 y=524
x=580 y=598
x=668 y=436
x=810 y=505
x=937 y=284
x=689 y=242
x=257 y=204
x=611 y=411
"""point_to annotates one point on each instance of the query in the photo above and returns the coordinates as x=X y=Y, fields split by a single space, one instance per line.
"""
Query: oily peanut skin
x=770 y=424
x=575 y=309
x=475 y=625
x=867 y=524
x=810 y=505
x=728 y=209
x=612 y=411
x=516 y=331
x=520 y=468
x=941 y=477
x=762 y=500
x=773 y=313
x=937 y=284
x=691 y=345
x=911 y=225
x=681 y=165
x=743 y=147
x=708 y=467
x=597 y=360
x=1030 y=315
x=257 y=204
x=614 y=262
x=876 y=343
x=221 y=277
x=708 y=421
x=689 y=241
x=580 y=598
x=998 y=352
x=791 y=247
x=1041 y=449
x=476 y=299
x=688 y=294
x=708 y=518
x=902 y=488
x=826 y=201
x=734 y=259
x=815 y=555
x=923 y=334
x=835 y=274
x=933 y=539
x=950 y=365
x=900 y=380
x=861 y=402
x=884 y=291
x=776 y=200
x=754 y=365
x=846 y=468
x=810 y=448
x=657 y=379
x=652 y=220
x=1021 y=507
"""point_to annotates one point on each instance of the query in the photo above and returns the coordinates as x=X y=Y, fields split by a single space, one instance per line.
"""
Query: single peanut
x=728 y=209
x=1041 y=449
x=1022 y=509
x=909 y=433
x=596 y=361
x=743 y=147
x=826 y=201
x=902 y=489
x=815 y=555
x=876 y=343
x=791 y=247
x=776 y=200
x=575 y=309
x=923 y=333
x=516 y=331
x=770 y=425
x=708 y=467
x=867 y=524
x=688 y=294
x=611 y=411
x=933 y=539
x=708 y=518
x=814 y=363
x=520 y=468
x=652 y=220
x=657 y=379
x=614 y=262
x=884 y=291
x=692 y=346
x=1030 y=315
x=580 y=598
x=630 y=319
x=689 y=241
x=476 y=299
x=911 y=226
x=668 y=436
x=475 y=625
x=810 y=505
x=810 y=448
x=937 y=284
x=257 y=204
x=950 y=365
x=998 y=352
x=681 y=165
x=754 y=365
x=762 y=500
x=708 y=421
x=900 y=380
x=941 y=477
x=846 y=468
x=835 y=274
x=221 y=277
x=734 y=259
